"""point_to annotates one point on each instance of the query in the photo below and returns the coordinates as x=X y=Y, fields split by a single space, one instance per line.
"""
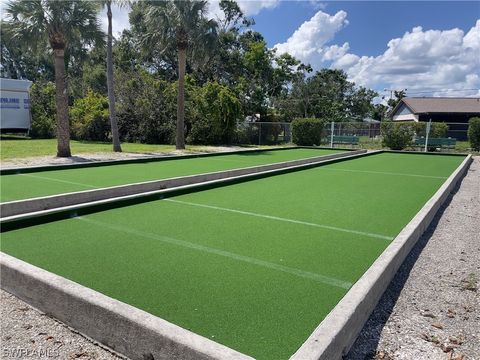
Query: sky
x=430 y=48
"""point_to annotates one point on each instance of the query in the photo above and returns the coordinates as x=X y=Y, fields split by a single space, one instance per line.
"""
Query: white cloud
x=308 y=42
x=318 y=5
x=249 y=7
x=253 y=7
x=119 y=19
x=441 y=62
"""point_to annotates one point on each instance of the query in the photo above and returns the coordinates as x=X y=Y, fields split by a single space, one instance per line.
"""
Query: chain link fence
x=264 y=133
x=369 y=134
x=275 y=133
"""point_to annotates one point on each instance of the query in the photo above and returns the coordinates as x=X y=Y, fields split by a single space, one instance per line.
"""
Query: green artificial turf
x=255 y=266
x=44 y=183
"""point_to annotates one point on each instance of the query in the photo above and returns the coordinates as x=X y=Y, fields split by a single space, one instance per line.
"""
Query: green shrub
x=307 y=132
x=89 y=118
x=215 y=116
x=246 y=133
x=474 y=133
x=43 y=110
x=146 y=108
x=437 y=130
x=397 y=136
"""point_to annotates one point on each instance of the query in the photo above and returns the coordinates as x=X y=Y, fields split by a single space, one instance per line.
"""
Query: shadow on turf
x=14 y=137
x=366 y=345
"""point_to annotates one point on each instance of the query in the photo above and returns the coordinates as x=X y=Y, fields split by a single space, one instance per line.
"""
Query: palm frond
x=35 y=22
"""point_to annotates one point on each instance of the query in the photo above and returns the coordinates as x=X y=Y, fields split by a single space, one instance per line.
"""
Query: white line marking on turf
x=293 y=271
x=58 y=180
x=379 y=236
x=387 y=173
x=231 y=160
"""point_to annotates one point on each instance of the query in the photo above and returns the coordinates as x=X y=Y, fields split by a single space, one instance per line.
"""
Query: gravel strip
x=82 y=158
x=26 y=333
x=431 y=310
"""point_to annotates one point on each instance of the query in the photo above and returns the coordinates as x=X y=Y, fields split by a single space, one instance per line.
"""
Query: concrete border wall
x=18 y=207
x=337 y=332
x=123 y=328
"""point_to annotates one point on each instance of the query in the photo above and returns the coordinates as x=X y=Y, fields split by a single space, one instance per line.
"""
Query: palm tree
x=111 y=94
x=181 y=24
x=41 y=22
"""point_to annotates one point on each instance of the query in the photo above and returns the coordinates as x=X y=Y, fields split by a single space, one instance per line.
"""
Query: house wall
x=410 y=117
x=403 y=113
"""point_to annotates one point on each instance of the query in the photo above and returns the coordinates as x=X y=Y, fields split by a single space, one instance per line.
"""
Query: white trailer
x=15 y=105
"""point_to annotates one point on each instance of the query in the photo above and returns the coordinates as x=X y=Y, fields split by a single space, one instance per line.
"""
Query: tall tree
x=39 y=22
x=395 y=99
x=179 y=24
x=111 y=94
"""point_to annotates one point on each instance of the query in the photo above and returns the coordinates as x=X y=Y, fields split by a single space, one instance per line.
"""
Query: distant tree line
x=174 y=75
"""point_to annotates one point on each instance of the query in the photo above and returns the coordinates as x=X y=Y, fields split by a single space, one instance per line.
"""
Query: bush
x=146 y=108
x=437 y=130
x=89 y=118
x=215 y=117
x=43 y=110
x=474 y=133
x=246 y=133
x=397 y=136
x=307 y=132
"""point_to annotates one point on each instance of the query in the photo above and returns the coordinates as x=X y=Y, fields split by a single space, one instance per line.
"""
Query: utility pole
x=393 y=90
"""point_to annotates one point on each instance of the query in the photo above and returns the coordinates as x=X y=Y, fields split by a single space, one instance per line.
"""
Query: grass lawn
x=14 y=147
x=369 y=143
x=18 y=147
x=255 y=266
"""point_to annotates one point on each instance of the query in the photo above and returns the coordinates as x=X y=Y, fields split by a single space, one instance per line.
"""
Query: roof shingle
x=443 y=105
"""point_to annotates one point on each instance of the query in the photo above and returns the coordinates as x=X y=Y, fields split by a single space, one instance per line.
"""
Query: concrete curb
x=123 y=328
x=337 y=332
x=18 y=207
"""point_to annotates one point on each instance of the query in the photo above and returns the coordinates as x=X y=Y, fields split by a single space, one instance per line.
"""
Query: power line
x=441 y=91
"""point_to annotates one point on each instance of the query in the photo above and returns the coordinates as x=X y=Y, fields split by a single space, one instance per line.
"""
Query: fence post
x=332 y=129
x=429 y=124
x=260 y=134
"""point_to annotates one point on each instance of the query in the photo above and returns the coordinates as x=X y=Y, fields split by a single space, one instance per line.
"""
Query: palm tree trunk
x=180 y=141
x=111 y=94
x=61 y=97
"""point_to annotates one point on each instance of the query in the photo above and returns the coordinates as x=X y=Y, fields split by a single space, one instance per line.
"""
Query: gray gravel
x=431 y=310
x=85 y=158
x=26 y=333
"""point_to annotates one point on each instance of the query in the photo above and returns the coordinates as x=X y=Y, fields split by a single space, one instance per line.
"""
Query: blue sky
x=430 y=48
x=371 y=23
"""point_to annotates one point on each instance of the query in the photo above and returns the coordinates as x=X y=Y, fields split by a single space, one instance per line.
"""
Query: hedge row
x=474 y=133
x=307 y=132
x=400 y=135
